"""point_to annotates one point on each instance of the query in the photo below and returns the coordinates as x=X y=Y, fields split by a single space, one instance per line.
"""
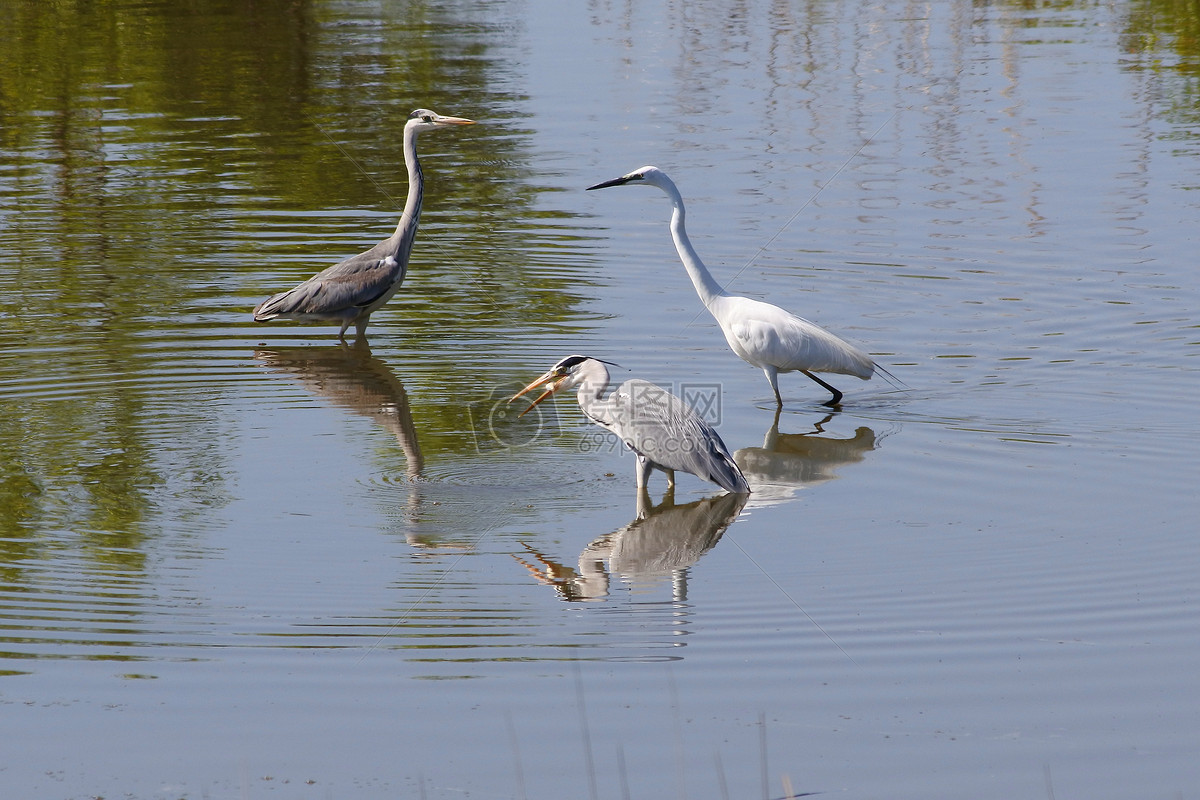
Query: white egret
x=663 y=432
x=761 y=334
x=347 y=293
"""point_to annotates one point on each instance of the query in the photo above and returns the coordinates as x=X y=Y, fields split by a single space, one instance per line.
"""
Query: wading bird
x=662 y=431
x=761 y=334
x=347 y=293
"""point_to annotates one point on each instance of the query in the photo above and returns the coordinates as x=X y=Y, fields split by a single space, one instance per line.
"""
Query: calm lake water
x=240 y=560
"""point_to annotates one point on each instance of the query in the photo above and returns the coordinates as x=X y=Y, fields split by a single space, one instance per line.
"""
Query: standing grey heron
x=663 y=432
x=761 y=334
x=347 y=293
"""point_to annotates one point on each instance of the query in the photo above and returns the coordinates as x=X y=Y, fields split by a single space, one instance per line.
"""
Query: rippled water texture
x=240 y=560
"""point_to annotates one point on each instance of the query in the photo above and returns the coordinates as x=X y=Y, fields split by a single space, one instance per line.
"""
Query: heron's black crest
x=569 y=363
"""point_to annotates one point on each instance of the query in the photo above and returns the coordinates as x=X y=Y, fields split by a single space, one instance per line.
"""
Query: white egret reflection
x=787 y=462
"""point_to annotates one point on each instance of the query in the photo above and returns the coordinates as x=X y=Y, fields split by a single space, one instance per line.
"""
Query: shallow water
x=242 y=560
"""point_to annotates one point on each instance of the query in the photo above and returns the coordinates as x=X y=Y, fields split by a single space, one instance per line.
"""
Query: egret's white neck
x=706 y=286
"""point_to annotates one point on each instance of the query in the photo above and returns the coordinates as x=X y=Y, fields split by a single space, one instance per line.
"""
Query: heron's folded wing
x=352 y=284
x=669 y=432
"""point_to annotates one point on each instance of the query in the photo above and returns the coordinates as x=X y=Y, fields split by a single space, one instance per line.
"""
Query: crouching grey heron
x=347 y=293
x=663 y=432
x=761 y=334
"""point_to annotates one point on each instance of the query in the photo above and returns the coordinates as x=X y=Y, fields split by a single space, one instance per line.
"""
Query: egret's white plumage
x=761 y=334
x=348 y=292
x=663 y=431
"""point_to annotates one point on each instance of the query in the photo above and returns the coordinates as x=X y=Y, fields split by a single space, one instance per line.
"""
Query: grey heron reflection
x=664 y=432
x=787 y=462
x=349 y=292
x=660 y=545
x=352 y=378
x=759 y=333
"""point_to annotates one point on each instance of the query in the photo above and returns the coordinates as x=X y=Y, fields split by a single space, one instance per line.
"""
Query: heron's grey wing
x=354 y=283
x=664 y=429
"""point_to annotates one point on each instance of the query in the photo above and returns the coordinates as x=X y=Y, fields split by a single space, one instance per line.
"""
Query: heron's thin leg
x=670 y=478
x=837 y=396
x=643 y=472
x=644 y=503
x=360 y=327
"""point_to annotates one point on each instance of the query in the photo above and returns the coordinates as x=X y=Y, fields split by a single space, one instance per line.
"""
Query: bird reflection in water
x=353 y=379
x=787 y=462
x=664 y=541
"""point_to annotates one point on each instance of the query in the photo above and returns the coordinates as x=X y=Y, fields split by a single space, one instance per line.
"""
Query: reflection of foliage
x=19 y=497
x=1165 y=31
x=93 y=470
x=1164 y=36
x=92 y=483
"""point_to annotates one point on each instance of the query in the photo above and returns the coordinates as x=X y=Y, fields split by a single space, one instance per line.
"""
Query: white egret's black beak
x=621 y=181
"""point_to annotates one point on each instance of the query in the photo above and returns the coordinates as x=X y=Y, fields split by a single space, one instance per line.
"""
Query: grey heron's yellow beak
x=554 y=379
x=440 y=120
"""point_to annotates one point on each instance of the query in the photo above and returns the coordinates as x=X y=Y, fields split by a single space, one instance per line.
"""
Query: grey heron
x=347 y=293
x=761 y=334
x=663 y=432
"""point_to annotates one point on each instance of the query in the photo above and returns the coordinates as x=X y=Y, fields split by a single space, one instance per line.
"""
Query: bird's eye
x=427 y=118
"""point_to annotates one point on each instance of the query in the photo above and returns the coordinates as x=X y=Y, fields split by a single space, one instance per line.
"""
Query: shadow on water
x=787 y=462
x=664 y=541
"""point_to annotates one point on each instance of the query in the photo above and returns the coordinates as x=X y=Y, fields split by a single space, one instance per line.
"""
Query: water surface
x=240 y=560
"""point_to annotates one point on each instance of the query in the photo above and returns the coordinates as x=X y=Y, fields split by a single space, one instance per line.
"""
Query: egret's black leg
x=837 y=396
